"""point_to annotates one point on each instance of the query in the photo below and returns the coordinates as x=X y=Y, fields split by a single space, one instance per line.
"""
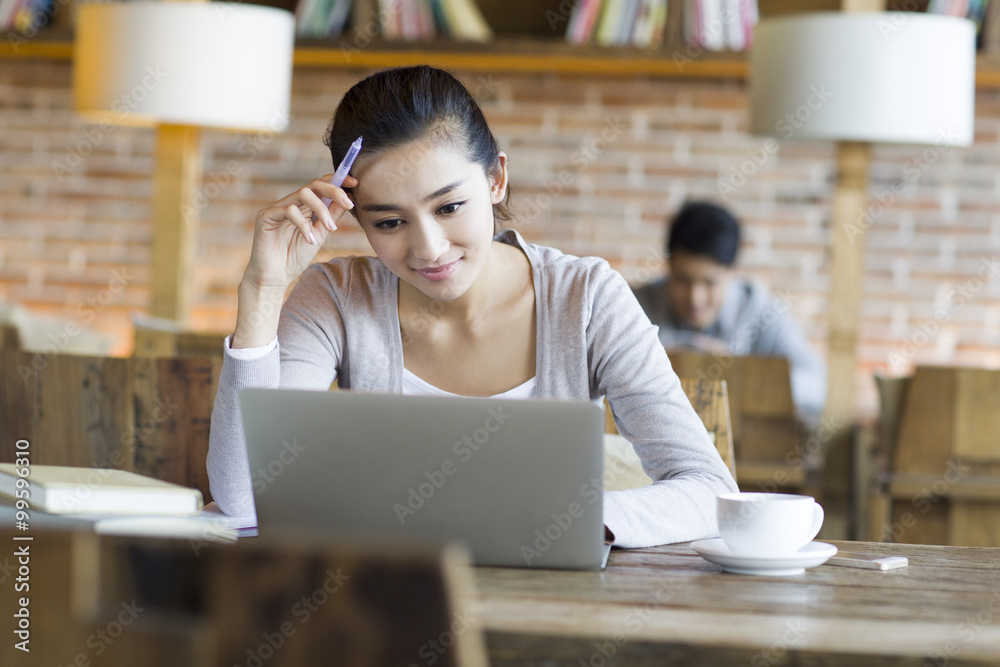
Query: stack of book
x=109 y=501
x=618 y=23
x=407 y=20
x=720 y=25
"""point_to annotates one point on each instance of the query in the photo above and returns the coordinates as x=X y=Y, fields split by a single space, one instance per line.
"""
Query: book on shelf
x=732 y=21
x=583 y=19
x=321 y=18
x=389 y=18
x=650 y=23
x=607 y=26
x=62 y=490
x=439 y=18
x=465 y=22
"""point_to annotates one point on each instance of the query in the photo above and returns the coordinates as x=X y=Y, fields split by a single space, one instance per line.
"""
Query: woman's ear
x=498 y=180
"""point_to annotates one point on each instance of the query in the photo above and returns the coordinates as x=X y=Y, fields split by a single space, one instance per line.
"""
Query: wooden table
x=668 y=606
x=660 y=606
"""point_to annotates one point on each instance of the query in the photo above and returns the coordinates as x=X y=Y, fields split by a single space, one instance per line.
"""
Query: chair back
x=765 y=430
x=944 y=476
x=622 y=467
x=710 y=399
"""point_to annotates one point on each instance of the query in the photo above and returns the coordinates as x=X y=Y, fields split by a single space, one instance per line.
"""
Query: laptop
x=519 y=482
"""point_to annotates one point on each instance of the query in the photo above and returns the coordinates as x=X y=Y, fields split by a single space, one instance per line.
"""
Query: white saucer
x=716 y=551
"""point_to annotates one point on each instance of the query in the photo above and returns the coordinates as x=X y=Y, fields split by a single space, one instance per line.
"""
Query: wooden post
x=175 y=219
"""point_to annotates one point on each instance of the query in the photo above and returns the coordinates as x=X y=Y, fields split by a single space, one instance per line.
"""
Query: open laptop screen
x=518 y=481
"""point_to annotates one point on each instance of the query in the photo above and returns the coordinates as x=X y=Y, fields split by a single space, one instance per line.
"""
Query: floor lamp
x=181 y=66
x=858 y=79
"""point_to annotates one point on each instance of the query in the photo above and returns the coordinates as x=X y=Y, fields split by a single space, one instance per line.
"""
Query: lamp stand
x=847 y=259
x=847 y=264
x=175 y=219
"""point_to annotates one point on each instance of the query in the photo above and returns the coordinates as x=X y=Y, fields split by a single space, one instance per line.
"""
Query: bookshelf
x=526 y=41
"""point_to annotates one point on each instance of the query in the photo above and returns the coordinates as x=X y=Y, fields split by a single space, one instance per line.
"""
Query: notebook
x=65 y=489
x=519 y=482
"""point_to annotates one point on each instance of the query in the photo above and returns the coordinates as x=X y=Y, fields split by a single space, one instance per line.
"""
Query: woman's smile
x=440 y=272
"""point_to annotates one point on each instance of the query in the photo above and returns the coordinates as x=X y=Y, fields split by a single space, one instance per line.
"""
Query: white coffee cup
x=768 y=524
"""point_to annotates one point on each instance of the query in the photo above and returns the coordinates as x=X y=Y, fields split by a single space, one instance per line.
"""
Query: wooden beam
x=175 y=219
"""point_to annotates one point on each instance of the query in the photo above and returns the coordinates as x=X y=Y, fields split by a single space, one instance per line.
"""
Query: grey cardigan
x=592 y=340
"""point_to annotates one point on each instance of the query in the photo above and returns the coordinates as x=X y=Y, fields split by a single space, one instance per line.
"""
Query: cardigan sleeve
x=629 y=366
x=310 y=340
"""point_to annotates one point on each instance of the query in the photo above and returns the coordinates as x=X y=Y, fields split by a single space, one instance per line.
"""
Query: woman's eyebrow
x=381 y=208
x=443 y=191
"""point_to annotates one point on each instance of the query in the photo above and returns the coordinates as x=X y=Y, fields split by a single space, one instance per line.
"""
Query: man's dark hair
x=705 y=229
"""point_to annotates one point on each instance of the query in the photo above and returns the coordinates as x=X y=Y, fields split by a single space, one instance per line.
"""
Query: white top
x=414 y=386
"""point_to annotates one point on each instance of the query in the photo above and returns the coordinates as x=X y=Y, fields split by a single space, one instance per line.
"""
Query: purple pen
x=344 y=168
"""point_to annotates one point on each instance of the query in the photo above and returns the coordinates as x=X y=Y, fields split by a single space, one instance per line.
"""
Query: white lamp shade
x=209 y=64
x=885 y=77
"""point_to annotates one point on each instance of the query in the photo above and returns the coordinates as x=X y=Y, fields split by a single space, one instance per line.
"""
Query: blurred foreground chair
x=151 y=416
x=123 y=602
x=940 y=478
x=622 y=468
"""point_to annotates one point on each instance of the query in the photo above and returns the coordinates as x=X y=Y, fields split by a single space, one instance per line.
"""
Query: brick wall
x=596 y=166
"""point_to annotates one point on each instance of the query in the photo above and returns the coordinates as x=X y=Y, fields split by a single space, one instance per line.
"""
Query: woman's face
x=428 y=213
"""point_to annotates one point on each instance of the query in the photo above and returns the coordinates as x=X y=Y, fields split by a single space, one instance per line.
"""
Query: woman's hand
x=287 y=235
x=289 y=232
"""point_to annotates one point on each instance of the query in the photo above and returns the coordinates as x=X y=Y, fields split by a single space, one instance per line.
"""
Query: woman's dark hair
x=705 y=229
x=396 y=106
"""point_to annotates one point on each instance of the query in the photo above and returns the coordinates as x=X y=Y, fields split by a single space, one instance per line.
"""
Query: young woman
x=450 y=303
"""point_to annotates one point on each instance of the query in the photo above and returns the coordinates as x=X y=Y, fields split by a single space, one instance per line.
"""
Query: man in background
x=703 y=305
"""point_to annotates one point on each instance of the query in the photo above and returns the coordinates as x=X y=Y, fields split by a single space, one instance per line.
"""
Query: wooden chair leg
x=862 y=481
x=879 y=517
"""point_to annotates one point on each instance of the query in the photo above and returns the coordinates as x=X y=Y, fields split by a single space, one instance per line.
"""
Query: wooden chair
x=940 y=483
x=622 y=468
x=281 y=603
x=147 y=415
x=766 y=432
